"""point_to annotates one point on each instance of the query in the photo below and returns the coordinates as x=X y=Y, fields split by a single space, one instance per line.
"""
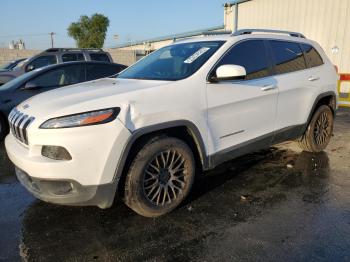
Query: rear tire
x=319 y=131
x=160 y=177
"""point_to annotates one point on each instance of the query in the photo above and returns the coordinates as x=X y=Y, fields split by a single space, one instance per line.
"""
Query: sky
x=33 y=20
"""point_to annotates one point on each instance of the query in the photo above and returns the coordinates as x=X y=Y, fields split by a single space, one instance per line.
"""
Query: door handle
x=313 y=78
x=268 y=87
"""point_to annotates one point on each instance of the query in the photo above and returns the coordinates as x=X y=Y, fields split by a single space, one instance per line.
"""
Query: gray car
x=54 y=56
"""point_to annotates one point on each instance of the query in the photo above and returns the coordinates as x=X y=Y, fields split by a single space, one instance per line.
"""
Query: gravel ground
x=279 y=204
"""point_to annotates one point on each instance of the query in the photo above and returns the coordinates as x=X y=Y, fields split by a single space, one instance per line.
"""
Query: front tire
x=160 y=177
x=319 y=131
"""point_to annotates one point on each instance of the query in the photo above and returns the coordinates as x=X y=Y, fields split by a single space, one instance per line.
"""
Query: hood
x=88 y=96
x=6 y=72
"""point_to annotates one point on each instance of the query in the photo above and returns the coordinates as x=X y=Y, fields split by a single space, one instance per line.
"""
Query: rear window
x=73 y=57
x=99 y=57
x=288 y=57
x=312 y=57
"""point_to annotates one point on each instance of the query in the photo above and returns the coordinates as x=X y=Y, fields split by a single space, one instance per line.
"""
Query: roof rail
x=249 y=31
x=72 y=49
x=222 y=32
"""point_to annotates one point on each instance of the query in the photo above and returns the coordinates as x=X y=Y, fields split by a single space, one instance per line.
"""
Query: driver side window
x=41 y=61
x=63 y=76
x=250 y=54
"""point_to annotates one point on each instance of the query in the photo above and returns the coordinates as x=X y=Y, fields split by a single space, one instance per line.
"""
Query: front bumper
x=68 y=192
x=95 y=151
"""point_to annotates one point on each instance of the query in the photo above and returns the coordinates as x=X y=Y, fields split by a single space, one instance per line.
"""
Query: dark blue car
x=48 y=78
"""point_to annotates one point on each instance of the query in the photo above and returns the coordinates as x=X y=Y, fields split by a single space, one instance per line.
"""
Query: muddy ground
x=279 y=204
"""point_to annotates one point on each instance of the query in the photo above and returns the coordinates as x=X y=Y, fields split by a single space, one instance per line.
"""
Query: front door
x=242 y=113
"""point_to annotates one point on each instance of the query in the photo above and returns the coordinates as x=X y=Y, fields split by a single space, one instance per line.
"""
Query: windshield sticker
x=197 y=54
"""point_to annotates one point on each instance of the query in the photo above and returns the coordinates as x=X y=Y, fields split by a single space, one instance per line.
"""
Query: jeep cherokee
x=183 y=109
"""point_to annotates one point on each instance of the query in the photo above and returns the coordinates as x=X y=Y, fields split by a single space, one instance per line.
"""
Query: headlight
x=82 y=119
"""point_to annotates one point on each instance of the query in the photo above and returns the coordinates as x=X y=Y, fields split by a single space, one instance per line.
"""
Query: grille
x=19 y=123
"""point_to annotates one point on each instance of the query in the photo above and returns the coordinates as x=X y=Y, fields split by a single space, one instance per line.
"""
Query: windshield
x=20 y=64
x=173 y=62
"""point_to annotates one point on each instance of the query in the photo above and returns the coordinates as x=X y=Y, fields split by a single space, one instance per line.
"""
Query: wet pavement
x=279 y=204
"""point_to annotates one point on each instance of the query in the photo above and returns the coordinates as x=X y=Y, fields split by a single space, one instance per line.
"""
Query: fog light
x=58 y=187
x=56 y=153
x=62 y=188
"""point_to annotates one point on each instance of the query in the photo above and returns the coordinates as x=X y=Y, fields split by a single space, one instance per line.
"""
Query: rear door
x=295 y=89
x=242 y=112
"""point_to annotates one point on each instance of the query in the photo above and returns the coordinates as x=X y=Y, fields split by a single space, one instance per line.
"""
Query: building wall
x=7 y=55
x=325 y=21
x=147 y=46
x=151 y=46
x=125 y=57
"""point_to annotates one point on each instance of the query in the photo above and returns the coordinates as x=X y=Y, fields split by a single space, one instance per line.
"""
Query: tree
x=89 y=32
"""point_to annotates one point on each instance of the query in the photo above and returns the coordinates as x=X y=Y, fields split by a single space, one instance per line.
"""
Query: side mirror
x=30 y=86
x=30 y=68
x=229 y=72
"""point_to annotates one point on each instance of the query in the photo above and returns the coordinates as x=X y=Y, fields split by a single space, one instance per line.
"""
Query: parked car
x=49 y=78
x=54 y=56
x=10 y=65
x=184 y=108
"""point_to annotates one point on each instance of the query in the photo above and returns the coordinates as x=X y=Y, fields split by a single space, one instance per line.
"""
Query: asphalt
x=278 y=204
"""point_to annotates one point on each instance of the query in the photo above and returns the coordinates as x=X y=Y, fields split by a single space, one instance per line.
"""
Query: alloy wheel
x=323 y=129
x=165 y=177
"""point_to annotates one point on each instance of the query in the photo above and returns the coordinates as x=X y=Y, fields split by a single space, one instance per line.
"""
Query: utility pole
x=116 y=38
x=51 y=35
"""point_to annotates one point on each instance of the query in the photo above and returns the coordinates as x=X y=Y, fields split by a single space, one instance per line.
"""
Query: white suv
x=183 y=109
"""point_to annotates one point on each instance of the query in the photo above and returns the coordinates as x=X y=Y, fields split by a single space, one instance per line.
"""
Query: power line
x=24 y=35
x=33 y=35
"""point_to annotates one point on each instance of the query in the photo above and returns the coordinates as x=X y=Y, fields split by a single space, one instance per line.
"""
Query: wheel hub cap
x=164 y=176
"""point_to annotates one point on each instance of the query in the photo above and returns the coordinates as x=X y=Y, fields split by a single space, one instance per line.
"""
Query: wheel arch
x=327 y=98
x=182 y=129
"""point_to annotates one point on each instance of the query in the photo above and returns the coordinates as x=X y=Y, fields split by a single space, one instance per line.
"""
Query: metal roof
x=173 y=36
x=236 y=2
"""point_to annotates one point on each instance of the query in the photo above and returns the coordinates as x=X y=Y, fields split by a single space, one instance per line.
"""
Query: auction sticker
x=197 y=54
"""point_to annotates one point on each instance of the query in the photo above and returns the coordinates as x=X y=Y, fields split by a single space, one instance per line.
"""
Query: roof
x=173 y=36
x=236 y=2
x=72 y=49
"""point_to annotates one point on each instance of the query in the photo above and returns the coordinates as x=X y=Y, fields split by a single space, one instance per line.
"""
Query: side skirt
x=265 y=141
